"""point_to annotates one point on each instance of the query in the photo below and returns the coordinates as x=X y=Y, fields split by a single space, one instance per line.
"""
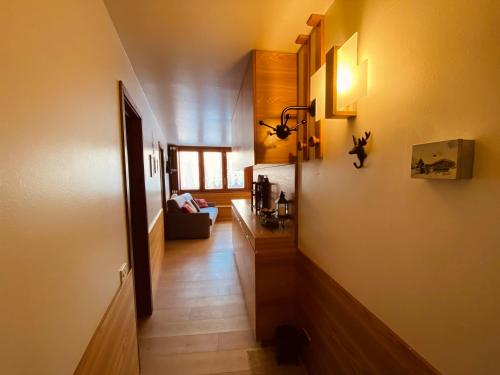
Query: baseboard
x=113 y=348
x=156 y=250
x=346 y=338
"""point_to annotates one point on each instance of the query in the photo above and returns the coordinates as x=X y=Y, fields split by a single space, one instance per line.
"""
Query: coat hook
x=359 y=149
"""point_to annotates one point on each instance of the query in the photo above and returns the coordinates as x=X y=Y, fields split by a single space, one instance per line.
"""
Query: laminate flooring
x=199 y=324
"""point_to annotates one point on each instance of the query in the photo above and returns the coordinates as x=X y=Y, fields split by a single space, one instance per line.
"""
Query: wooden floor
x=199 y=325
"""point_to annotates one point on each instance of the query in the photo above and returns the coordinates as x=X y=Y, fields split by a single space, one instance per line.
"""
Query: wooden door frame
x=135 y=204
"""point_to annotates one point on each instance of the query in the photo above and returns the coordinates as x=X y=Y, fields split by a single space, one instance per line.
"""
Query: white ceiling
x=190 y=55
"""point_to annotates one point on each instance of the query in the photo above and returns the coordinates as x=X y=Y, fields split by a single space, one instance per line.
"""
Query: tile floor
x=199 y=325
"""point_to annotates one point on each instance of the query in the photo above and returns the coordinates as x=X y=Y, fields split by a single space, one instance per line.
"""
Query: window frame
x=201 y=166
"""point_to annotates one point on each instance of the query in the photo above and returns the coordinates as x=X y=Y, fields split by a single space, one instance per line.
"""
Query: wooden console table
x=266 y=265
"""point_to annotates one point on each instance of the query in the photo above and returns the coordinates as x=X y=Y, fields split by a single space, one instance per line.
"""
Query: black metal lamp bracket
x=282 y=131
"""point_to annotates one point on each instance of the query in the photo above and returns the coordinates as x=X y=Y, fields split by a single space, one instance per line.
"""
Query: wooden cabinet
x=244 y=255
x=266 y=267
x=269 y=85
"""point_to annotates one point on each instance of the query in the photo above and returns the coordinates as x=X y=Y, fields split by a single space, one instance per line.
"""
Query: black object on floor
x=288 y=344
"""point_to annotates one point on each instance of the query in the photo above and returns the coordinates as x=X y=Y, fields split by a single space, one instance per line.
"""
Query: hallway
x=199 y=325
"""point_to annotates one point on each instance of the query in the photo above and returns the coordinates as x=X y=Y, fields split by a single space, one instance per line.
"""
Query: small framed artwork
x=150 y=165
x=446 y=160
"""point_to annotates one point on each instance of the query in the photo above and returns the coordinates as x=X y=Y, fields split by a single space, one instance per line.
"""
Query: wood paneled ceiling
x=190 y=55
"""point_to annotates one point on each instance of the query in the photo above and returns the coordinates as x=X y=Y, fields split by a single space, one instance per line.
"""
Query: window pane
x=213 y=170
x=235 y=177
x=189 y=170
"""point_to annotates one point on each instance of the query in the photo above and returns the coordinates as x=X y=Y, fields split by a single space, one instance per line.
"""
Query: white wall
x=422 y=255
x=62 y=219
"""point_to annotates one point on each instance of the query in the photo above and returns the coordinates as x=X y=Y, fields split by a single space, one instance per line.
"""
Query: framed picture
x=446 y=160
x=150 y=165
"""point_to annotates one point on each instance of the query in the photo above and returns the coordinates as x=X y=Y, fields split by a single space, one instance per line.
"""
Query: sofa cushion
x=195 y=205
x=212 y=213
x=190 y=204
x=201 y=202
x=180 y=200
x=188 y=209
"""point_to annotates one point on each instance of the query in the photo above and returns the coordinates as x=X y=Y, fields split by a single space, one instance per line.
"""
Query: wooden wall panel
x=223 y=201
x=275 y=87
x=346 y=338
x=156 y=251
x=113 y=348
x=242 y=122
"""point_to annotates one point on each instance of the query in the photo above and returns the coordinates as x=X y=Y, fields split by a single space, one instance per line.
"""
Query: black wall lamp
x=282 y=131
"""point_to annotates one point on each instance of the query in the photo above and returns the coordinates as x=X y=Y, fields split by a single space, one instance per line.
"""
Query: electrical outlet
x=123 y=272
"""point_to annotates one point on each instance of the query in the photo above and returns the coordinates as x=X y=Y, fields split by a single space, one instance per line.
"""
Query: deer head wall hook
x=359 y=149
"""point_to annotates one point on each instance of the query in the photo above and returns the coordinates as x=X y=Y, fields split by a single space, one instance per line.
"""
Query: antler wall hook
x=282 y=131
x=359 y=149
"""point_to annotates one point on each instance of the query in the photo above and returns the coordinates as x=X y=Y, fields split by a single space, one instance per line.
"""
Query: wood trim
x=203 y=148
x=163 y=189
x=314 y=19
x=248 y=172
x=207 y=191
x=303 y=83
x=302 y=39
x=173 y=176
x=316 y=60
x=224 y=171
x=201 y=166
x=156 y=250
x=317 y=42
x=346 y=338
x=113 y=348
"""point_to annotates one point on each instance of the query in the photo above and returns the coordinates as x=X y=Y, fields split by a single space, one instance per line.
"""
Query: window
x=189 y=170
x=235 y=177
x=205 y=169
x=213 y=170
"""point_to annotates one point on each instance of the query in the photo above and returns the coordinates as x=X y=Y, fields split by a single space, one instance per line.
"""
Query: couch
x=181 y=225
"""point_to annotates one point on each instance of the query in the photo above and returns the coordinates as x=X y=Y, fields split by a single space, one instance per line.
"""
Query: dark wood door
x=136 y=207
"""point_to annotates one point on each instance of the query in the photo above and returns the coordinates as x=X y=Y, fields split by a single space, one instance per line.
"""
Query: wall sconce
x=334 y=90
x=282 y=130
x=346 y=81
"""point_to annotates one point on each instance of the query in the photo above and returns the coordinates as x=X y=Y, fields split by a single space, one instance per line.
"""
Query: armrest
x=195 y=225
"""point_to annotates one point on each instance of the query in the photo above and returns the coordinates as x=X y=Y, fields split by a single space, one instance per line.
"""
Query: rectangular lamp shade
x=317 y=92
